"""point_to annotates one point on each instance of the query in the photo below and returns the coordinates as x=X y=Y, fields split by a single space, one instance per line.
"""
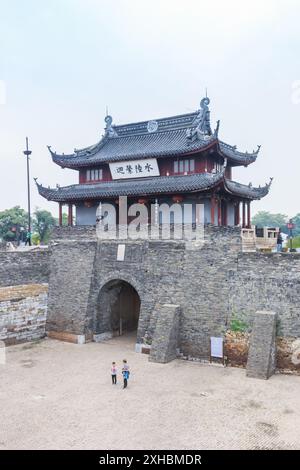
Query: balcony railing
x=264 y=239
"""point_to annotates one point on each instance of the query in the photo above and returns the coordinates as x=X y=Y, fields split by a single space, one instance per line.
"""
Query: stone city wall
x=216 y=287
x=28 y=267
x=23 y=311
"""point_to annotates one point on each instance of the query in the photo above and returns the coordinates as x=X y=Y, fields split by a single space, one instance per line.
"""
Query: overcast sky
x=63 y=61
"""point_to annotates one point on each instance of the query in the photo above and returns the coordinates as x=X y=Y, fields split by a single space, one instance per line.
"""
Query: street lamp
x=291 y=226
x=28 y=152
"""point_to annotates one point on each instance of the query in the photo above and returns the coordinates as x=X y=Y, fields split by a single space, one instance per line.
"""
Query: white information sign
x=134 y=169
x=121 y=253
x=216 y=347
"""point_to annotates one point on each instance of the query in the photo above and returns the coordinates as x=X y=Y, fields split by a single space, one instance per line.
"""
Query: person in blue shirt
x=125 y=373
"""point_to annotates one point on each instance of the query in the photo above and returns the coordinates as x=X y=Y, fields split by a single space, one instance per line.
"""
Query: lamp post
x=291 y=226
x=28 y=152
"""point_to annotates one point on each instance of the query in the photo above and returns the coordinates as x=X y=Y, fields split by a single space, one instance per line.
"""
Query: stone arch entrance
x=118 y=309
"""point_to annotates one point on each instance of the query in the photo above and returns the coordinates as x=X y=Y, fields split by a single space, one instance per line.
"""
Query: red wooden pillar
x=219 y=212
x=60 y=214
x=248 y=215
x=244 y=215
x=225 y=210
x=70 y=214
x=212 y=210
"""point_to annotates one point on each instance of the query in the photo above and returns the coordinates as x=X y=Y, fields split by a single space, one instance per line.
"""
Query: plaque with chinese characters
x=134 y=169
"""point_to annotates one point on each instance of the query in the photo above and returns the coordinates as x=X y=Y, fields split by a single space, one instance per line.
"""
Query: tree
x=43 y=222
x=296 y=221
x=65 y=218
x=12 y=223
x=267 y=219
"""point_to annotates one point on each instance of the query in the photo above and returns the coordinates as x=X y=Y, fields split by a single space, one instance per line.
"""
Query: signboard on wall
x=134 y=169
x=216 y=347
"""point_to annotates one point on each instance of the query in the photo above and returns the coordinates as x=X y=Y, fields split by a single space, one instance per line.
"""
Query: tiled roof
x=249 y=191
x=166 y=137
x=156 y=145
x=133 y=187
x=150 y=186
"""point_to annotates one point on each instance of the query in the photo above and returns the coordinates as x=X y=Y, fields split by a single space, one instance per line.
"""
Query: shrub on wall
x=238 y=324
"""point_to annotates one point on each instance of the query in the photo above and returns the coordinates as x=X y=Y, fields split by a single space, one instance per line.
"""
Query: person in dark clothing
x=28 y=239
x=279 y=241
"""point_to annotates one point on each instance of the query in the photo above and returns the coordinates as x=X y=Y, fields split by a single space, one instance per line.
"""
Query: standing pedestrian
x=279 y=241
x=125 y=373
x=114 y=373
x=28 y=238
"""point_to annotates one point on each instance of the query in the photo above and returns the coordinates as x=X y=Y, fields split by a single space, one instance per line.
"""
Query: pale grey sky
x=63 y=61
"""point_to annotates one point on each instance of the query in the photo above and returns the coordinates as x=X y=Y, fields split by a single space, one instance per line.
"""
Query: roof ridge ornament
x=152 y=126
x=109 y=129
x=202 y=122
x=49 y=147
x=216 y=131
x=203 y=119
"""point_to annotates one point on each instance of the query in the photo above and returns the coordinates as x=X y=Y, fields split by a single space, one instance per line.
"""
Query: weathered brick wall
x=69 y=286
x=79 y=232
x=206 y=291
x=18 y=268
x=211 y=284
x=267 y=281
x=23 y=312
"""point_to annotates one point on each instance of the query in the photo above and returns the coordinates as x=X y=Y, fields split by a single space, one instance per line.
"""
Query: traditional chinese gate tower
x=177 y=159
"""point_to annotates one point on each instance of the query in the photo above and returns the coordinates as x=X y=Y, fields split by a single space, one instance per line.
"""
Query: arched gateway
x=118 y=309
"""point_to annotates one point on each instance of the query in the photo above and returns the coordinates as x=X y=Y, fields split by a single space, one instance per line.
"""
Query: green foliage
x=296 y=242
x=35 y=239
x=43 y=222
x=11 y=222
x=238 y=324
x=296 y=221
x=267 y=219
x=65 y=218
x=14 y=221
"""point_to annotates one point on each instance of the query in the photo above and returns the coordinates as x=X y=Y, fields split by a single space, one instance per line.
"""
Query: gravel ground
x=57 y=395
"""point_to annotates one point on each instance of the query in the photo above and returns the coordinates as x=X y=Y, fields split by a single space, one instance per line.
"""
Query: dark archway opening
x=118 y=309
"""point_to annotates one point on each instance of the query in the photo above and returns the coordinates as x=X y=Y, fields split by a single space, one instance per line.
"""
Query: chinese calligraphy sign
x=134 y=169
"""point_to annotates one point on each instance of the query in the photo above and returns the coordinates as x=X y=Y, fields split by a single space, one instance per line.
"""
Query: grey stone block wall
x=262 y=357
x=84 y=232
x=165 y=340
x=69 y=286
x=23 y=312
x=267 y=281
x=205 y=289
x=210 y=284
x=19 y=268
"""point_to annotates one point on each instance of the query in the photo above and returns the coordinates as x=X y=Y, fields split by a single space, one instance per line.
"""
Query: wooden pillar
x=225 y=209
x=60 y=214
x=244 y=215
x=219 y=212
x=248 y=215
x=70 y=214
x=237 y=214
x=212 y=210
